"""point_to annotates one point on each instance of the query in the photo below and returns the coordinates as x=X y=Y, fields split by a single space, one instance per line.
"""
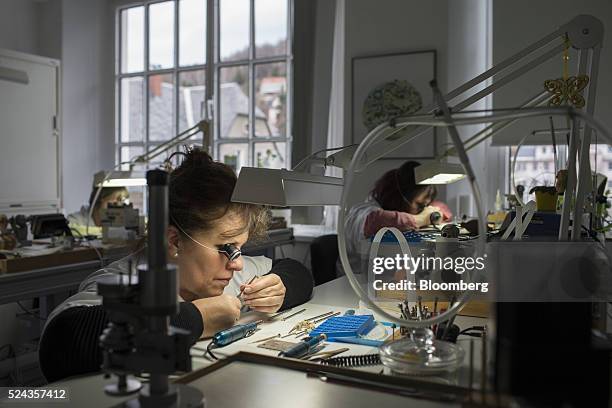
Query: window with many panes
x=535 y=166
x=162 y=73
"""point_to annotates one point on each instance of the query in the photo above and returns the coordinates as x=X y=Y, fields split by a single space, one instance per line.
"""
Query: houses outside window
x=162 y=73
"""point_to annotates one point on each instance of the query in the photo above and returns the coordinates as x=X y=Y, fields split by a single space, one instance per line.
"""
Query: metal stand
x=138 y=338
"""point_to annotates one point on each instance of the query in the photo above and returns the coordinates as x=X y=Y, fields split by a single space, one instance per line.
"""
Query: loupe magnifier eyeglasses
x=232 y=252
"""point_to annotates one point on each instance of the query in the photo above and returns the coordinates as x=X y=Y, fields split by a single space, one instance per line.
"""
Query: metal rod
x=471 y=377
x=325 y=318
x=483 y=368
x=571 y=181
x=535 y=112
x=495 y=128
x=510 y=77
x=159 y=149
x=585 y=183
x=293 y=314
x=321 y=315
x=554 y=143
x=294 y=334
x=505 y=64
x=582 y=165
x=275 y=315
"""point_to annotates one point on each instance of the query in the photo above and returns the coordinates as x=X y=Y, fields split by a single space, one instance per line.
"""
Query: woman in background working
x=396 y=201
x=108 y=195
x=205 y=233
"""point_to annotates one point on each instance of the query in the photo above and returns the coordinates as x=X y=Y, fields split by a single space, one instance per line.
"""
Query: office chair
x=323 y=257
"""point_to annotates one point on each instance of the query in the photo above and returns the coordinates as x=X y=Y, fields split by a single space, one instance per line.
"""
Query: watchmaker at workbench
x=108 y=195
x=395 y=201
x=206 y=231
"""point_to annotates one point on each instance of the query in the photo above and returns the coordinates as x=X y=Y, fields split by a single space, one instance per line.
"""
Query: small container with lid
x=421 y=354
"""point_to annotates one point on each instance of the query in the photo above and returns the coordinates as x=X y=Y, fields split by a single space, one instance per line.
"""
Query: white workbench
x=336 y=295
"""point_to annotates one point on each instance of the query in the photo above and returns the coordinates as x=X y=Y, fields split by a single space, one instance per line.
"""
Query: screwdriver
x=225 y=337
x=304 y=347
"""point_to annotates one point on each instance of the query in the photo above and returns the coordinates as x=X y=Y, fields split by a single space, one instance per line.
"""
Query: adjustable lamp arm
x=202 y=126
x=583 y=32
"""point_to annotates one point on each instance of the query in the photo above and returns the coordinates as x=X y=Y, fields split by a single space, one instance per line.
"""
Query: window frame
x=212 y=76
x=562 y=153
x=251 y=62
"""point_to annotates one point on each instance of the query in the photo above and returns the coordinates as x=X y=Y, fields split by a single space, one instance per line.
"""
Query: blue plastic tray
x=345 y=326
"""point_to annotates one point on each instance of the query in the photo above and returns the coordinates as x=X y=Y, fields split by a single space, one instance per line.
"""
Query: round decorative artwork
x=390 y=100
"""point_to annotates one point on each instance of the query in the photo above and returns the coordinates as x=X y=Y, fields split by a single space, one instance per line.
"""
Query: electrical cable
x=474 y=331
x=209 y=351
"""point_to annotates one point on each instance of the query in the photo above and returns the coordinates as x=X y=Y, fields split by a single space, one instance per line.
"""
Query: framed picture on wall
x=390 y=85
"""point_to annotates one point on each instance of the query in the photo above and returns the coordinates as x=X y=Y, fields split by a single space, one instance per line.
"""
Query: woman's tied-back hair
x=200 y=194
x=397 y=187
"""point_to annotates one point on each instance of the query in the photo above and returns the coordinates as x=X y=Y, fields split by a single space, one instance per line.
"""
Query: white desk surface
x=335 y=296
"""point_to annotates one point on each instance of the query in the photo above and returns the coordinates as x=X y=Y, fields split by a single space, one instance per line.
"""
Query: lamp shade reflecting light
x=438 y=173
x=285 y=188
x=119 y=179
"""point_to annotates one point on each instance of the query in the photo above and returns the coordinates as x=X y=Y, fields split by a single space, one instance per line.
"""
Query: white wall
x=18 y=25
x=87 y=71
x=50 y=28
x=324 y=39
x=469 y=54
x=77 y=33
x=18 y=32
x=80 y=34
x=386 y=26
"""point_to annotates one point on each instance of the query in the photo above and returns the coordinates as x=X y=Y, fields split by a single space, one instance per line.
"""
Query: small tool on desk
x=248 y=283
x=304 y=347
x=277 y=314
x=293 y=314
x=302 y=326
x=325 y=355
x=228 y=336
x=293 y=334
x=310 y=324
x=359 y=340
x=324 y=318
x=318 y=316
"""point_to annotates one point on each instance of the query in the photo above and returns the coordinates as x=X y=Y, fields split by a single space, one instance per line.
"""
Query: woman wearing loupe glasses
x=205 y=235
